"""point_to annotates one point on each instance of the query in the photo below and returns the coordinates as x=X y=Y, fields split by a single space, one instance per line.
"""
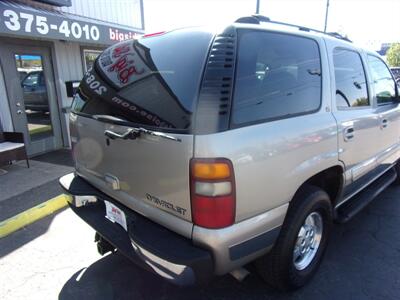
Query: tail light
x=212 y=186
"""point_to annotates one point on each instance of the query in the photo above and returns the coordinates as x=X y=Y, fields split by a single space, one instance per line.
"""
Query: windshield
x=152 y=81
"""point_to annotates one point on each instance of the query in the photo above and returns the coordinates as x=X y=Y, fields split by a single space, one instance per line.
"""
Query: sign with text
x=28 y=22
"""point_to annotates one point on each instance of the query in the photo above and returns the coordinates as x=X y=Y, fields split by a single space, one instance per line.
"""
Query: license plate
x=115 y=215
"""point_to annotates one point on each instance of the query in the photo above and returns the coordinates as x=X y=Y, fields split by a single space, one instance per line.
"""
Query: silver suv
x=198 y=152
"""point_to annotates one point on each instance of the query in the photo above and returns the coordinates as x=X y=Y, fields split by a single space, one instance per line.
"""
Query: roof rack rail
x=257 y=19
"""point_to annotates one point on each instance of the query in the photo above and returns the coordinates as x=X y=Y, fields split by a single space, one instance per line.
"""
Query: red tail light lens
x=212 y=192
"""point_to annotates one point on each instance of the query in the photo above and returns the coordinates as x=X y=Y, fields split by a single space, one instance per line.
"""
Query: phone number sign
x=28 y=22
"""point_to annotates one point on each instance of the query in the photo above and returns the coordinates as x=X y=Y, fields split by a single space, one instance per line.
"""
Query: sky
x=368 y=23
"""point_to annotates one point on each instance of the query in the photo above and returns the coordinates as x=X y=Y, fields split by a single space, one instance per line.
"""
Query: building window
x=89 y=56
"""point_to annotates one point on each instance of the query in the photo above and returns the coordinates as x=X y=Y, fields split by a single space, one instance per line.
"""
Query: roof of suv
x=262 y=22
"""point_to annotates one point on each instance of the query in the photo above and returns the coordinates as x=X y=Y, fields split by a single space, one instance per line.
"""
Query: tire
x=278 y=267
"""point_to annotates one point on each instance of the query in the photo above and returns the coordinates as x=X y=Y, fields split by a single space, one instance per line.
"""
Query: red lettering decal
x=120 y=64
x=125 y=74
x=123 y=66
x=119 y=51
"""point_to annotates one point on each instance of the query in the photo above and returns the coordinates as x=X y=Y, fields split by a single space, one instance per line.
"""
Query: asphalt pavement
x=57 y=258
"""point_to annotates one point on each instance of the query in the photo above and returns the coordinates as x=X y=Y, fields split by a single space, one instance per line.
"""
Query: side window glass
x=351 y=87
x=277 y=76
x=382 y=81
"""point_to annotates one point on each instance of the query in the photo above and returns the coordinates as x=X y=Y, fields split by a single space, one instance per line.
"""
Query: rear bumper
x=149 y=245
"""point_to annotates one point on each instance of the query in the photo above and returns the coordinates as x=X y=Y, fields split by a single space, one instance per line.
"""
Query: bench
x=12 y=147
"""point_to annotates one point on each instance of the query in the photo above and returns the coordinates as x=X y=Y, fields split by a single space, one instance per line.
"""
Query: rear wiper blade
x=133 y=133
x=108 y=118
x=157 y=133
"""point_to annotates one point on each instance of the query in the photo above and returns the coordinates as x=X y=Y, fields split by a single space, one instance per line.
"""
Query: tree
x=393 y=55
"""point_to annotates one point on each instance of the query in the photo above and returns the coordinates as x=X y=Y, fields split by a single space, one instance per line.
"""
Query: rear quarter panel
x=272 y=160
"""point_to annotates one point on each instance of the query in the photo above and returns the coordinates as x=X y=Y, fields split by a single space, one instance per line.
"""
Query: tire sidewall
x=318 y=201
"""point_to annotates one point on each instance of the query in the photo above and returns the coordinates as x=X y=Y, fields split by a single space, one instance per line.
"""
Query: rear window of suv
x=277 y=76
x=151 y=82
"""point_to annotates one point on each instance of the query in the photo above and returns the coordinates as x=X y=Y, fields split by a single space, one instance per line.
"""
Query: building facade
x=45 y=48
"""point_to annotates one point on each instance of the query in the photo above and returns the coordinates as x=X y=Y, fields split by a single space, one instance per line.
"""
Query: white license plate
x=115 y=215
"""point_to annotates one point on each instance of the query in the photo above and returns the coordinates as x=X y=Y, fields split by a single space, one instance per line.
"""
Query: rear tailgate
x=149 y=169
x=149 y=83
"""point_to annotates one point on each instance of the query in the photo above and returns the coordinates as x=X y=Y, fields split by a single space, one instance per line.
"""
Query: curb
x=32 y=215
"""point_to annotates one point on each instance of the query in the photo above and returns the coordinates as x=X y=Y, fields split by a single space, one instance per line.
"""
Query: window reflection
x=384 y=85
x=351 y=87
x=35 y=97
x=151 y=81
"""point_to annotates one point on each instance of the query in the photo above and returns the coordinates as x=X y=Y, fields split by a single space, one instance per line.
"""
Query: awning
x=23 y=20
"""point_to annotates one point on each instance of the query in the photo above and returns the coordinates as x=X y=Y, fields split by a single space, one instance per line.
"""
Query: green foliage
x=393 y=55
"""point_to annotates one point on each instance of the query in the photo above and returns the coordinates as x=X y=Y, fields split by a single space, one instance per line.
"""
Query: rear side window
x=351 y=87
x=152 y=81
x=277 y=76
x=384 y=85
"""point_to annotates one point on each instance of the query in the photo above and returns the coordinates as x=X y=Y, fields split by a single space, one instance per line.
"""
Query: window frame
x=367 y=84
x=232 y=125
x=372 y=83
x=89 y=49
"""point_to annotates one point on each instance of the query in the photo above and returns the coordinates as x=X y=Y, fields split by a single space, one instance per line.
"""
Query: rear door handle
x=384 y=123
x=348 y=133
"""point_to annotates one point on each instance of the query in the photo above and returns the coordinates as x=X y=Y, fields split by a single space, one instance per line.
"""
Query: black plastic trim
x=216 y=89
x=260 y=242
x=352 y=207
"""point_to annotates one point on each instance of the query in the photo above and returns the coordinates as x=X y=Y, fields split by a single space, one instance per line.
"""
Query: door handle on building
x=348 y=133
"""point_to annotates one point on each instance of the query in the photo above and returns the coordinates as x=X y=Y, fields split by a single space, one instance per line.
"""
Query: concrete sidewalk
x=36 y=262
x=22 y=188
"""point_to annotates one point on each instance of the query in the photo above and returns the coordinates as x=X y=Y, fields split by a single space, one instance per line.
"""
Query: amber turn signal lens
x=218 y=170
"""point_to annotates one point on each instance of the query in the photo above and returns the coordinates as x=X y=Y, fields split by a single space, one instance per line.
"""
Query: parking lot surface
x=56 y=258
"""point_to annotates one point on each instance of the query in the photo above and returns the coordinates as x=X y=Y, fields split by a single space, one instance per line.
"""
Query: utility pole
x=326 y=15
x=258 y=7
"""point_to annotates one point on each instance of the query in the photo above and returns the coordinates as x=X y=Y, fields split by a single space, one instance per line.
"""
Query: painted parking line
x=32 y=215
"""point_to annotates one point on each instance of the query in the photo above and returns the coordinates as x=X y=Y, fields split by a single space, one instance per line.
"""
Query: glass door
x=31 y=93
x=35 y=96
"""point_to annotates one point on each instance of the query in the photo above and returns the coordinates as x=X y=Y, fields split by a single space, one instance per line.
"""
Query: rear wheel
x=301 y=244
